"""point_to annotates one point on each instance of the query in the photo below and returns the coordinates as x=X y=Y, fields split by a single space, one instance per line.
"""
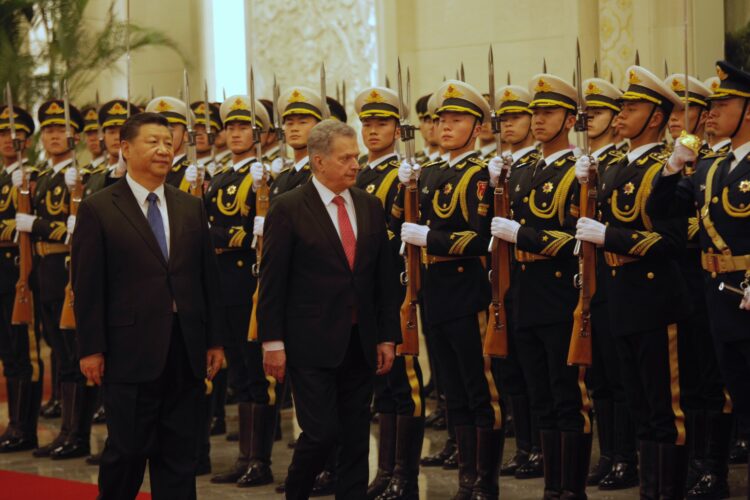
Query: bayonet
x=254 y=117
x=596 y=69
x=127 y=56
x=223 y=94
x=685 y=49
x=494 y=117
x=343 y=93
x=666 y=68
x=338 y=93
x=277 y=124
x=191 y=132
x=637 y=58
x=207 y=117
x=99 y=131
x=582 y=113
x=508 y=79
x=68 y=126
x=462 y=73
x=324 y=101
x=544 y=65
x=153 y=94
x=388 y=81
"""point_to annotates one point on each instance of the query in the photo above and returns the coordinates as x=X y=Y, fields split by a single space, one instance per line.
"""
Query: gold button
x=211 y=218
x=428 y=222
x=525 y=199
x=213 y=200
x=240 y=263
x=609 y=200
x=614 y=272
x=544 y=203
x=523 y=221
x=715 y=199
x=713 y=275
x=558 y=274
x=460 y=269
x=8 y=255
x=231 y=230
x=523 y=267
x=650 y=275
x=627 y=207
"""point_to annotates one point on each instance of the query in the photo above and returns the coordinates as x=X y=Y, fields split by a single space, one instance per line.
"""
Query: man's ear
x=125 y=148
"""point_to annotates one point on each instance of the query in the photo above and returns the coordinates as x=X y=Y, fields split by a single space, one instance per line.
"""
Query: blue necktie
x=157 y=224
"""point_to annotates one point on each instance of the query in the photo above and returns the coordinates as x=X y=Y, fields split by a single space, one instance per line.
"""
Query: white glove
x=191 y=174
x=414 y=234
x=258 y=225
x=496 y=166
x=277 y=166
x=258 y=173
x=17 y=177
x=71 y=178
x=407 y=172
x=590 y=230
x=121 y=167
x=71 y=223
x=24 y=222
x=680 y=156
x=505 y=229
x=583 y=167
x=745 y=304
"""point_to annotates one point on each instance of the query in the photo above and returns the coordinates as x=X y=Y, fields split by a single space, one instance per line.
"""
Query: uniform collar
x=549 y=160
x=455 y=161
x=489 y=148
x=601 y=150
x=716 y=147
x=177 y=159
x=10 y=168
x=636 y=153
x=521 y=153
x=57 y=168
x=298 y=166
x=222 y=155
x=381 y=160
x=741 y=152
x=242 y=163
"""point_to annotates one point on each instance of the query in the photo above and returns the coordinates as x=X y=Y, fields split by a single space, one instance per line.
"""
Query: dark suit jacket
x=308 y=292
x=124 y=288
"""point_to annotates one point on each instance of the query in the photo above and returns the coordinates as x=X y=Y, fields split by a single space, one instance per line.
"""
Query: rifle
x=262 y=202
x=579 y=351
x=67 y=317
x=277 y=124
x=324 y=102
x=496 y=337
x=23 y=308
x=100 y=134
x=411 y=323
x=210 y=136
x=196 y=188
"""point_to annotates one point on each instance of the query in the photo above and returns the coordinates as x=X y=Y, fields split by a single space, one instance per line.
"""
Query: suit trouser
x=401 y=390
x=651 y=374
x=333 y=407
x=159 y=422
x=557 y=391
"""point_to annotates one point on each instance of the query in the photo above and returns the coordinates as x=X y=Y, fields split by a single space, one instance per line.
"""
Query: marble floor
x=434 y=483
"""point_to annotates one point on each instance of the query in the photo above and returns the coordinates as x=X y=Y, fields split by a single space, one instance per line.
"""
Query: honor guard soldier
x=717 y=143
x=399 y=399
x=48 y=228
x=91 y=130
x=720 y=190
x=175 y=111
x=486 y=144
x=708 y=409
x=515 y=129
x=618 y=463
x=19 y=345
x=230 y=203
x=643 y=275
x=203 y=148
x=545 y=297
x=271 y=144
x=426 y=130
x=453 y=233
x=223 y=154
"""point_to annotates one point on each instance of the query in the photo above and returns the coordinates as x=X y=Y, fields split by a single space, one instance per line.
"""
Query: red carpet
x=18 y=486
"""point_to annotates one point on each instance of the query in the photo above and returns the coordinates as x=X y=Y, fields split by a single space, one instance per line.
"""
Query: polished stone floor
x=434 y=483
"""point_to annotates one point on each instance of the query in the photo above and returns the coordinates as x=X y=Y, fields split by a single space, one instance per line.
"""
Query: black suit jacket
x=308 y=293
x=125 y=289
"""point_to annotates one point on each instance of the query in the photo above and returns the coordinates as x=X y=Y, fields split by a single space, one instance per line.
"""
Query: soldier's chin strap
x=645 y=123
x=697 y=119
x=608 y=127
x=742 y=117
x=471 y=133
x=562 y=126
x=528 y=132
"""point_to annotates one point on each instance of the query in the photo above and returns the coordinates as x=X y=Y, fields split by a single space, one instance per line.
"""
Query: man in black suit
x=328 y=303
x=144 y=278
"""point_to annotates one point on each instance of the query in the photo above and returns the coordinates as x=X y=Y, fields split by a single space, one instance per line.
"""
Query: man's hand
x=386 y=353
x=17 y=177
x=71 y=178
x=92 y=367
x=71 y=223
x=214 y=360
x=590 y=230
x=505 y=229
x=258 y=222
x=25 y=222
x=258 y=172
x=745 y=304
x=680 y=156
x=274 y=364
x=407 y=172
x=583 y=167
x=414 y=234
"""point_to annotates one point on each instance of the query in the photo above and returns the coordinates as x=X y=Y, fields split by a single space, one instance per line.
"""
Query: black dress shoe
x=440 y=423
x=437 y=459
x=18 y=443
x=94 y=459
x=509 y=468
x=292 y=444
x=437 y=414
x=600 y=470
x=325 y=484
x=44 y=451
x=696 y=469
x=451 y=462
x=710 y=485
x=233 y=436
x=739 y=451
x=100 y=416
x=622 y=476
x=71 y=449
x=218 y=427
x=533 y=468
x=281 y=487
x=257 y=474
x=51 y=409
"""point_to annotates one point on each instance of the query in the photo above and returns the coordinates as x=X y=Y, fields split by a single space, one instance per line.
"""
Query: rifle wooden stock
x=410 y=320
x=23 y=305
x=262 y=201
x=496 y=337
x=579 y=352
x=67 y=316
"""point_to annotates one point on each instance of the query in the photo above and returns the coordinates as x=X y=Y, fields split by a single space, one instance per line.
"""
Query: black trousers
x=159 y=422
x=558 y=393
x=472 y=398
x=333 y=408
x=510 y=375
x=651 y=374
x=19 y=345
x=734 y=360
x=401 y=391
x=63 y=342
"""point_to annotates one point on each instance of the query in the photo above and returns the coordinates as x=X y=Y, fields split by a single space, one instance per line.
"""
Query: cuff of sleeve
x=273 y=345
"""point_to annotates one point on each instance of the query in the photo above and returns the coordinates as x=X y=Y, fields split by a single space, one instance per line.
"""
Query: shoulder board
x=660 y=156
x=715 y=154
x=306 y=167
x=477 y=160
x=432 y=163
x=44 y=172
x=564 y=159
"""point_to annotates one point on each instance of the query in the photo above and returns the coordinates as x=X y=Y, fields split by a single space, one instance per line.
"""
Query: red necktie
x=348 y=240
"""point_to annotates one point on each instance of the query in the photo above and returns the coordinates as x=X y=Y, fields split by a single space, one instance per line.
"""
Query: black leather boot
x=605 y=423
x=575 y=460
x=672 y=471
x=386 y=455
x=258 y=470
x=490 y=443
x=466 y=441
x=11 y=388
x=624 y=473
x=67 y=394
x=27 y=398
x=552 y=470
x=534 y=466
x=438 y=459
x=404 y=484
x=245 y=420
x=78 y=443
x=53 y=407
x=522 y=419
x=648 y=456
x=713 y=483
x=695 y=426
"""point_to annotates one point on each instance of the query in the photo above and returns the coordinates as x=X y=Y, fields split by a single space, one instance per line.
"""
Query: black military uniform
x=19 y=344
x=644 y=276
x=456 y=294
x=722 y=196
x=399 y=395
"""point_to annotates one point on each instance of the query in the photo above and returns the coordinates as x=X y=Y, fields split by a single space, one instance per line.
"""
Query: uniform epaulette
x=715 y=154
x=561 y=161
x=477 y=160
x=434 y=162
x=660 y=156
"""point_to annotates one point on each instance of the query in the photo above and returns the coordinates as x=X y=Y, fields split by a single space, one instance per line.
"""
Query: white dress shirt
x=242 y=163
x=522 y=152
x=298 y=166
x=452 y=162
x=739 y=154
x=59 y=166
x=636 y=153
x=549 y=160
x=141 y=193
x=381 y=160
x=716 y=147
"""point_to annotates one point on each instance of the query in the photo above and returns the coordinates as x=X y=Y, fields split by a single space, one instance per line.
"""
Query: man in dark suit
x=328 y=309
x=144 y=278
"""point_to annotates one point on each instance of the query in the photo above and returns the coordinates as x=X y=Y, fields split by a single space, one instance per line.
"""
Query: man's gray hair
x=322 y=135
